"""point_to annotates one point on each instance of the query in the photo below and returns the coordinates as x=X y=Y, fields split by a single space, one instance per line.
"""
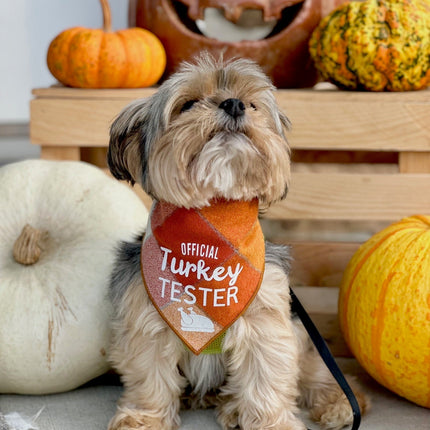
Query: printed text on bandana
x=177 y=292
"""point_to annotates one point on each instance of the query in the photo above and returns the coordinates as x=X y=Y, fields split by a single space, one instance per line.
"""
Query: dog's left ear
x=126 y=153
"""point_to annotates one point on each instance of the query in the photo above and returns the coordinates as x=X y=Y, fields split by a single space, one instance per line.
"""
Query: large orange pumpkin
x=100 y=58
x=384 y=307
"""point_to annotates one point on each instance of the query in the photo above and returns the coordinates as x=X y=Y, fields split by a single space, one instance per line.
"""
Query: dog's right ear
x=126 y=153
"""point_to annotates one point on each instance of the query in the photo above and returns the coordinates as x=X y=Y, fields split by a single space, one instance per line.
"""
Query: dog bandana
x=202 y=267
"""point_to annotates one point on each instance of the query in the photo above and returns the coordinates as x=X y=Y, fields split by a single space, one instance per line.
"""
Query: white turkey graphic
x=194 y=322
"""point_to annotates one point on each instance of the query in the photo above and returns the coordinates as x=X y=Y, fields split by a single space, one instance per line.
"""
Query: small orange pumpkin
x=100 y=58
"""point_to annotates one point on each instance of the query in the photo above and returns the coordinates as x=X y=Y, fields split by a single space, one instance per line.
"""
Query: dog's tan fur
x=187 y=157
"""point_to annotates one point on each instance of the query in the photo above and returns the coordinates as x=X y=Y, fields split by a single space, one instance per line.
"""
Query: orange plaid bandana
x=202 y=267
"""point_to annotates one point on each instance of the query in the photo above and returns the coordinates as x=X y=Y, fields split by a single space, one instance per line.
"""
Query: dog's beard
x=228 y=165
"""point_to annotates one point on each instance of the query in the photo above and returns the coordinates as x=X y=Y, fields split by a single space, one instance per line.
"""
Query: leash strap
x=327 y=357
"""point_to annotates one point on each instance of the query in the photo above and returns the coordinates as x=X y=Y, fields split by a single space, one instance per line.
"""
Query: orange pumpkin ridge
x=83 y=55
x=378 y=327
x=58 y=54
x=347 y=290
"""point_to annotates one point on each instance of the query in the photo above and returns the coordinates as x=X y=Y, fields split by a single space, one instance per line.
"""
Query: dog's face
x=211 y=130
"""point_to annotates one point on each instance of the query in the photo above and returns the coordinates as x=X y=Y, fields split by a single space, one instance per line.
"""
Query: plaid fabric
x=203 y=267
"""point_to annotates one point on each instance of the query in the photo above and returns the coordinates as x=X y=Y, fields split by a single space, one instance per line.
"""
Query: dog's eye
x=253 y=106
x=188 y=105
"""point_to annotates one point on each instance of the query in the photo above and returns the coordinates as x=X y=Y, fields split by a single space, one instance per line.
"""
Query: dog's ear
x=126 y=154
x=286 y=124
x=283 y=124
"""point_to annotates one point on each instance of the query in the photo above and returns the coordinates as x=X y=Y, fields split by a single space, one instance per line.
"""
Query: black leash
x=327 y=357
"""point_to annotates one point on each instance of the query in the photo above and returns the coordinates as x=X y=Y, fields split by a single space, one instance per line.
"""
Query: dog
x=211 y=133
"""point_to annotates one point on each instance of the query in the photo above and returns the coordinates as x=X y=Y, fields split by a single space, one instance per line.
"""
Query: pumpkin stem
x=29 y=245
x=107 y=17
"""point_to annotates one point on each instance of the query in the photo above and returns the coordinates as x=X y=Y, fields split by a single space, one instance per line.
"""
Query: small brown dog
x=212 y=133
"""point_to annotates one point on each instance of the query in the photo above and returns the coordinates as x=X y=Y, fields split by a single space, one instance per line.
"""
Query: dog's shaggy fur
x=213 y=130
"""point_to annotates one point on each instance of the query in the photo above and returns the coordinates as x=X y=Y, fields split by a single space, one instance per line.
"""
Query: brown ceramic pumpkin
x=283 y=52
x=100 y=58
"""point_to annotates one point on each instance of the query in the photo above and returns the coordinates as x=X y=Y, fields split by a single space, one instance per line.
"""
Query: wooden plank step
x=354 y=197
x=338 y=120
x=320 y=264
x=321 y=305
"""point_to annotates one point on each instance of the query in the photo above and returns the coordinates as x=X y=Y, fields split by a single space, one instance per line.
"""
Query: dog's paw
x=135 y=419
x=293 y=423
x=337 y=412
x=230 y=419
x=227 y=416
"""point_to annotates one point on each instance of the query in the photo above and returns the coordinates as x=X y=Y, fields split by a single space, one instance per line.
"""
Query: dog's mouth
x=239 y=20
x=230 y=126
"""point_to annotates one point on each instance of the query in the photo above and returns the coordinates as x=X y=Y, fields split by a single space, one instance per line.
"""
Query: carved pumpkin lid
x=272 y=9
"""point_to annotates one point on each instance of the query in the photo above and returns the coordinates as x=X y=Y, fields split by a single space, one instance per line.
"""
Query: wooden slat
x=328 y=326
x=320 y=264
x=354 y=197
x=60 y=153
x=86 y=93
x=321 y=305
x=353 y=120
x=66 y=122
x=94 y=155
x=311 y=95
x=414 y=162
x=349 y=197
x=321 y=119
x=372 y=125
x=318 y=300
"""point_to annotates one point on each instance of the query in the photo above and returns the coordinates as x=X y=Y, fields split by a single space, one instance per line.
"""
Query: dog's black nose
x=233 y=107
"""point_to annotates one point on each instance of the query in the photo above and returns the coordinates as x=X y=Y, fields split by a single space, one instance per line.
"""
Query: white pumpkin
x=54 y=307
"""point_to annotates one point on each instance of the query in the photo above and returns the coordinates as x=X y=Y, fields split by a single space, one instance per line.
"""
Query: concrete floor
x=92 y=406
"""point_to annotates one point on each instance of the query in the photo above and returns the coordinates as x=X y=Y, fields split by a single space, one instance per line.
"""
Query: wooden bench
x=360 y=161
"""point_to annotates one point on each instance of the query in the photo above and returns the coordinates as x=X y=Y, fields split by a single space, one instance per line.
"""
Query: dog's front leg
x=145 y=351
x=262 y=368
